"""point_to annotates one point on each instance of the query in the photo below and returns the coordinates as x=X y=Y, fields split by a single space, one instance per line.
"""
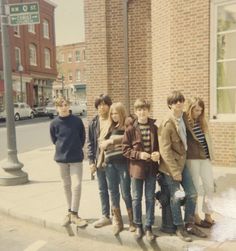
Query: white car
x=75 y=108
x=21 y=110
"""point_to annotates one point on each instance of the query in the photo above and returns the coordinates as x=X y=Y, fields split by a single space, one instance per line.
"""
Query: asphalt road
x=30 y=134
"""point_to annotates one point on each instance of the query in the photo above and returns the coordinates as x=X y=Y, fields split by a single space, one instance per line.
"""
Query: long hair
x=202 y=120
x=120 y=109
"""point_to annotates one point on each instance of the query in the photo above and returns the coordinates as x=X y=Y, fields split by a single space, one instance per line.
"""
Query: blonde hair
x=120 y=109
x=202 y=120
x=141 y=103
x=59 y=101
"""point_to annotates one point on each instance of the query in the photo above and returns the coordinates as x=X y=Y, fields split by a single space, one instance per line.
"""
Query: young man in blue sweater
x=68 y=134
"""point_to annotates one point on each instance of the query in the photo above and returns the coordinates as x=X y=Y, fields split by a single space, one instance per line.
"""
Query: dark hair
x=102 y=98
x=174 y=98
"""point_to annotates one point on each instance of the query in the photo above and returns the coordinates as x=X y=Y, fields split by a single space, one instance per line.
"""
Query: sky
x=69 y=21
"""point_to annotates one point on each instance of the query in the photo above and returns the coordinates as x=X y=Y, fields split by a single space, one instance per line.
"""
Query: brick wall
x=96 y=49
x=169 y=47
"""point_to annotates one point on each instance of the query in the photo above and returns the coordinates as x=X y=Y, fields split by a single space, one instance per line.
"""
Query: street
x=16 y=235
x=30 y=134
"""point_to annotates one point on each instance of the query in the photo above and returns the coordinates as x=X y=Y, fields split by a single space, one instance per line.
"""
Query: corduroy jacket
x=172 y=150
x=132 y=146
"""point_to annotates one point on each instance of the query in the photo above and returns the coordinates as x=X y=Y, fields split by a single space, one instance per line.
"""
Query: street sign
x=23 y=13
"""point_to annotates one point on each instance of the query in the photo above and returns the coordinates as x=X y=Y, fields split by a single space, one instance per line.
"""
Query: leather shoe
x=182 y=234
x=150 y=236
x=192 y=229
x=139 y=233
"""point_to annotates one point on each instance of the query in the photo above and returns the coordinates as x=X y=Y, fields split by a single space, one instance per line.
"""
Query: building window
x=16 y=30
x=45 y=28
x=77 y=56
x=31 y=28
x=62 y=58
x=47 y=58
x=33 y=54
x=224 y=59
x=84 y=55
x=17 y=57
x=69 y=58
x=70 y=77
x=77 y=75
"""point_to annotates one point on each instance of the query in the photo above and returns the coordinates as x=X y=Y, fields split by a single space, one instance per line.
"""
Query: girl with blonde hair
x=199 y=156
x=116 y=167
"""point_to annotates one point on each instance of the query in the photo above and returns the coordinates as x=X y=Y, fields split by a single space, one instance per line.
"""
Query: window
x=45 y=28
x=77 y=56
x=77 y=75
x=17 y=57
x=16 y=30
x=69 y=58
x=32 y=54
x=31 y=28
x=70 y=77
x=84 y=55
x=47 y=58
x=62 y=57
x=224 y=59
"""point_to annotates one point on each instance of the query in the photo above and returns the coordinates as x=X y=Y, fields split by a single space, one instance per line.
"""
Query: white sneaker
x=79 y=222
x=104 y=221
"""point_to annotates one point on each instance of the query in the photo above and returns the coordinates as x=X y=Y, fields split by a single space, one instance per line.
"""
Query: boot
x=117 y=221
x=132 y=227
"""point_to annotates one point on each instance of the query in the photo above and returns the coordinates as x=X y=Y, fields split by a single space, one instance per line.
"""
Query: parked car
x=75 y=108
x=51 y=110
x=40 y=111
x=21 y=110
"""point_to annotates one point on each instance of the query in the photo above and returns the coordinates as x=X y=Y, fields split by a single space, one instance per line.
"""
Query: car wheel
x=17 y=117
x=51 y=116
x=32 y=115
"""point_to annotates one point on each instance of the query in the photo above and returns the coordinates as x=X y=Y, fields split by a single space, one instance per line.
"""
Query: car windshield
x=50 y=105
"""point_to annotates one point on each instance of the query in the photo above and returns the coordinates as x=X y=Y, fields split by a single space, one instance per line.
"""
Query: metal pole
x=62 y=85
x=21 y=90
x=126 y=54
x=11 y=174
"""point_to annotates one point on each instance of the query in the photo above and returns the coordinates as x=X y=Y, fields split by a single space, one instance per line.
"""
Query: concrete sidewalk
x=42 y=201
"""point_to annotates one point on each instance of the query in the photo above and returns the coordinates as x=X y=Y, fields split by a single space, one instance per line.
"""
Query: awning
x=80 y=86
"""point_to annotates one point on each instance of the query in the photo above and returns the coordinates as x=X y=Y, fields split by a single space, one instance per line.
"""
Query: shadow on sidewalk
x=42 y=181
x=224 y=183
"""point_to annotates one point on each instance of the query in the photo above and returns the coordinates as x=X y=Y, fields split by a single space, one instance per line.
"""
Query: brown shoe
x=182 y=234
x=192 y=229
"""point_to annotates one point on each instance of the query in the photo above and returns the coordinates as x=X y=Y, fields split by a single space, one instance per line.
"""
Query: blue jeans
x=190 y=198
x=117 y=174
x=149 y=185
x=103 y=192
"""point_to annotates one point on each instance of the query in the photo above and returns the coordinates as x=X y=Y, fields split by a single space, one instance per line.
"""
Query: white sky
x=69 y=21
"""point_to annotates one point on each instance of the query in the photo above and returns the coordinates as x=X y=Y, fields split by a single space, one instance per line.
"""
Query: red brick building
x=147 y=48
x=71 y=67
x=33 y=57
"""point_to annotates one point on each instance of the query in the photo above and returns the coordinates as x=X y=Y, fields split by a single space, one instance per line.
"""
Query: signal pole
x=11 y=173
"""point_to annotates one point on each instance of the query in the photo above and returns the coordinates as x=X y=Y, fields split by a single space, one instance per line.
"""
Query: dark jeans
x=149 y=184
x=103 y=192
x=190 y=198
x=117 y=174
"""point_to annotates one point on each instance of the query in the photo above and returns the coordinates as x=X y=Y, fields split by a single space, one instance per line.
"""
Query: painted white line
x=35 y=246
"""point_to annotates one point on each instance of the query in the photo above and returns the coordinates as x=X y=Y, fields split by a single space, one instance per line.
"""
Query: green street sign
x=23 y=13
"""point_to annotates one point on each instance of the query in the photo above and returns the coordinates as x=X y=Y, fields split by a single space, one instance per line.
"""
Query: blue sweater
x=68 y=134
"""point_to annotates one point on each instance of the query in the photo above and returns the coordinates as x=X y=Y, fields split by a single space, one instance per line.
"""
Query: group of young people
x=129 y=154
